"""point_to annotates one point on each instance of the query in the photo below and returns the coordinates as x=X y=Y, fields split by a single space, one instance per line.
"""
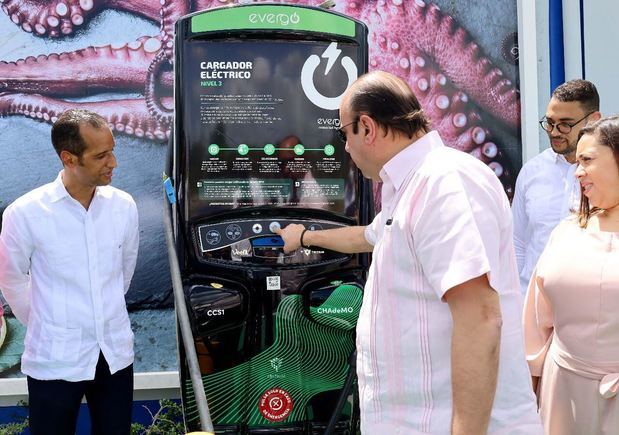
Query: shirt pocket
x=60 y=345
x=110 y=256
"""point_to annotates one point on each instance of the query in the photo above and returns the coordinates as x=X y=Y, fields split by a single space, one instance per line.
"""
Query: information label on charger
x=274 y=283
x=260 y=125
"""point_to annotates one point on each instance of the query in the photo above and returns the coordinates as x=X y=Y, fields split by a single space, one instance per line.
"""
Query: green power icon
x=243 y=149
x=269 y=149
x=299 y=149
x=213 y=149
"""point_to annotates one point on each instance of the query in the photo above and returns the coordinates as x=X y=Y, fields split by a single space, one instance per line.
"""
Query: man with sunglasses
x=439 y=346
x=546 y=189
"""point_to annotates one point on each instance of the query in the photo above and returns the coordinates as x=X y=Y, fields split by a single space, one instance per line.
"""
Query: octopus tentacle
x=171 y=10
x=53 y=18
x=61 y=17
x=421 y=25
x=448 y=108
x=110 y=67
x=128 y=116
x=155 y=107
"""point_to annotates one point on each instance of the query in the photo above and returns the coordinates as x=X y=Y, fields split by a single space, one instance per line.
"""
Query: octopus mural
x=412 y=38
x=63 y=59
x=11 y=341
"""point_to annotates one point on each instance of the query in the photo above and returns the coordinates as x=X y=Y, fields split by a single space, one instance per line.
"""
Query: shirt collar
x=409 y=159
x=58 y=191
x=560 y=159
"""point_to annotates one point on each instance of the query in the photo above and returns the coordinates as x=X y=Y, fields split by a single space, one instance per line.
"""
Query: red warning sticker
x=275 y=404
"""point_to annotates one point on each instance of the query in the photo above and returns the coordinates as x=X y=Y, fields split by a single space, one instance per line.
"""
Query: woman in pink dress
x=571 y=314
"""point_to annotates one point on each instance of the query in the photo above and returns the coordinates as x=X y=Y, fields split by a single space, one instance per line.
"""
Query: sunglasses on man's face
x=342 y=132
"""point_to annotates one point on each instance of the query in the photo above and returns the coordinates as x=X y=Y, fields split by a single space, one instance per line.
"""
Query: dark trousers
x=54 y=405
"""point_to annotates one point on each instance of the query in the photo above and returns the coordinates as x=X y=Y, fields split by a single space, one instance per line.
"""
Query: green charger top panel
x=272 y=17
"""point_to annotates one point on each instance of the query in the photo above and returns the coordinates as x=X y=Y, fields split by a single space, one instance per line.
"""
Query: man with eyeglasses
x=439 y=346
x=546 y=189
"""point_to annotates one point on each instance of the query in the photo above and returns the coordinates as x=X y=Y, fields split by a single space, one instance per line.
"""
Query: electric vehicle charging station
x=254 y=148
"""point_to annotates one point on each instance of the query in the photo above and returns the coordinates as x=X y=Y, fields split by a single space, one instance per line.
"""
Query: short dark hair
x=66 y=130
x=606 y=132
x=389 y=101
x=582 y=91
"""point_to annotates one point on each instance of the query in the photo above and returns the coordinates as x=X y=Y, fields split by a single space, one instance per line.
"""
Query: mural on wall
x=115 y=58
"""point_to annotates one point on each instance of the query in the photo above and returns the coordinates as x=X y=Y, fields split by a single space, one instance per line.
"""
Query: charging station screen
x=260 y=121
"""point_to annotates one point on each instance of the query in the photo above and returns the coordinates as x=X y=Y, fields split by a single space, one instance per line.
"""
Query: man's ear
x=69 y=160
x=368 y=126
x=595 y=116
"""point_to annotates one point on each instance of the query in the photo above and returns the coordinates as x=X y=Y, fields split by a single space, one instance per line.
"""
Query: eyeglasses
x=563 y=127
x=342 y=133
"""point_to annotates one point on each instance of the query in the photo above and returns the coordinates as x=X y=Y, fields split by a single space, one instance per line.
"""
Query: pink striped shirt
x=445 y=219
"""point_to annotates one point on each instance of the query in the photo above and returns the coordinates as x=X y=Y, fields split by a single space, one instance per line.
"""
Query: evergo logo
x=328 y=121
x=271 y=18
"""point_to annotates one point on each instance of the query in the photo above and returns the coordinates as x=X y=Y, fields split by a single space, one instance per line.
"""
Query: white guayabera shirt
x=64 y=271
x=445 y=220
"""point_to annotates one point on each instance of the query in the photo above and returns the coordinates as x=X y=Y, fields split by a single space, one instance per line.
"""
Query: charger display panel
x=260 y=125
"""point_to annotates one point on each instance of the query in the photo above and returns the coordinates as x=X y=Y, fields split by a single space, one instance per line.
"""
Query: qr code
x=273 y=283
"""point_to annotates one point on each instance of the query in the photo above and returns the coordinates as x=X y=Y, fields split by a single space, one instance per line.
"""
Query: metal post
x=183 y=319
